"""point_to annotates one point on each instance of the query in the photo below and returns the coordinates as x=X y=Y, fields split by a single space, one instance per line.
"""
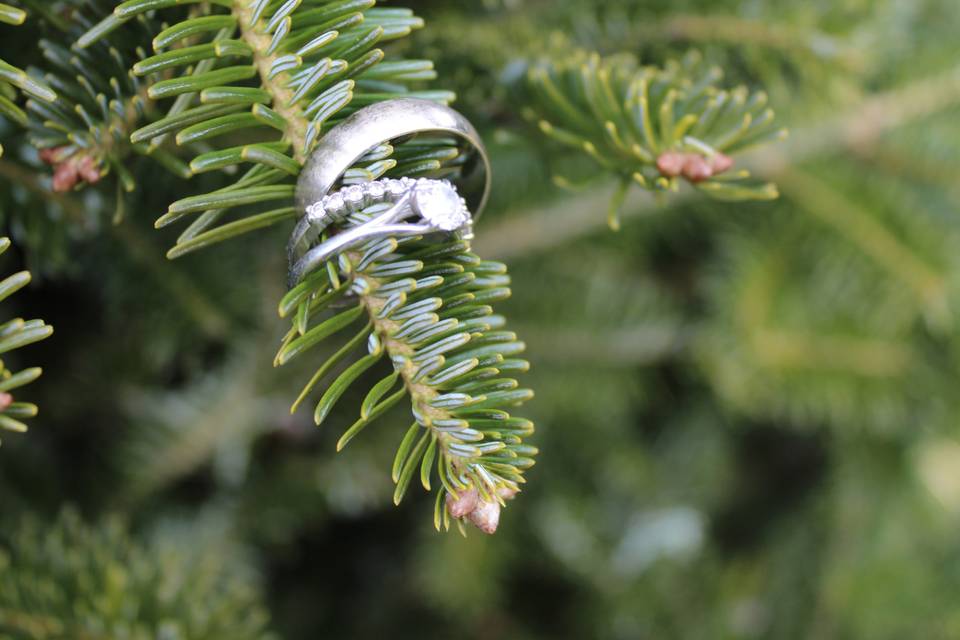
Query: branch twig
x=557 y=223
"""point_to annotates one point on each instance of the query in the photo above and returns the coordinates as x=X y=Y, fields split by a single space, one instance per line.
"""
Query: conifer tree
x=716 y=273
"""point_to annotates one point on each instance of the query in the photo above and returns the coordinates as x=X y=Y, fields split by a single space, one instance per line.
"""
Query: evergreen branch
x=772 y=354
x=287 y=72
x=13 y=79
x=740 y=31
x=802 y=351
x=426 y=308
x=866 y=121
x=806 y=55
x=15 y=334
x=208 y=316
x=807 y=52
x=553 y=225
x=283 y=72
x=653 y=126
x=216 y=418
x=71 y=580
x=861 y=227
x=84 y=135
x=913 y=163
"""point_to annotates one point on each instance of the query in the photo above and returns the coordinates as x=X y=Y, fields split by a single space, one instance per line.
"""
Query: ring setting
x=435 y=205
x=436 y=201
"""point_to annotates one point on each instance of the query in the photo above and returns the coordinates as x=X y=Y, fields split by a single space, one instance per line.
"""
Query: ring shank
x=344 y=145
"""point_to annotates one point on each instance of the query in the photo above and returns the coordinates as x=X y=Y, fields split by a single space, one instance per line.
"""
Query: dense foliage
x=67 y=580
x=745 y=403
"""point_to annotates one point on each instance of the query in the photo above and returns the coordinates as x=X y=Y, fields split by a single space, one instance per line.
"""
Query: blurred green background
x=747 y=413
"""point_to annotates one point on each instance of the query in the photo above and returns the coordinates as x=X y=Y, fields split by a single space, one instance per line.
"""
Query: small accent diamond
x=316 y=213
x=335 y=204
x=354 y=197
x=375 y=190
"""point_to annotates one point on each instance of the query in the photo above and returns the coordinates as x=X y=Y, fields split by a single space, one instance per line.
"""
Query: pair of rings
x=435 y=206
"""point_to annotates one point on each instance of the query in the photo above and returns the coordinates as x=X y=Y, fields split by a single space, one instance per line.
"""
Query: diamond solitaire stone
x=440 y=205
x=376 y=190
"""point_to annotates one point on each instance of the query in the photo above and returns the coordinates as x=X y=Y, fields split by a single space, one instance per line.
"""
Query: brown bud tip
x=696 y=169
x=49 y=156
x=67 y=172
x=5 y=400
x=486 y=517
x=64 y=177
x=720 y=163
x=88 y=170
x=670 y=163
x=464 y=504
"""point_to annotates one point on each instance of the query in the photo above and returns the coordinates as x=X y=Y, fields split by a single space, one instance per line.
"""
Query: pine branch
x=793 y=51
x=771 y=353
x=284 y=72
x=426 y=308
x=71 y=580
x=288 y=72
x=653 y=126
x=15 y=334
x=781 y=36
x=890 y=248
x=181 y=289
x=84 y=135
x=860 y=125
x=175 y=433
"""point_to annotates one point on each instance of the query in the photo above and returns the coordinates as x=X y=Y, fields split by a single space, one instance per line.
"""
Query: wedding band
x=436 y=203
x=380 y=123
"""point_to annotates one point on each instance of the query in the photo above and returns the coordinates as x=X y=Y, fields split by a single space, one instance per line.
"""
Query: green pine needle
x=653 y=126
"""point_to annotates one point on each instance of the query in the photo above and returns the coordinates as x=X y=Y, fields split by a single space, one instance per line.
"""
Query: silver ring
x=344 y=145
x=436 y=203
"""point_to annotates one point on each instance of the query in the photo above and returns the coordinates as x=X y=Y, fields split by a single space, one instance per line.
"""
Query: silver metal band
x=436 y=203
x=344 y=145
